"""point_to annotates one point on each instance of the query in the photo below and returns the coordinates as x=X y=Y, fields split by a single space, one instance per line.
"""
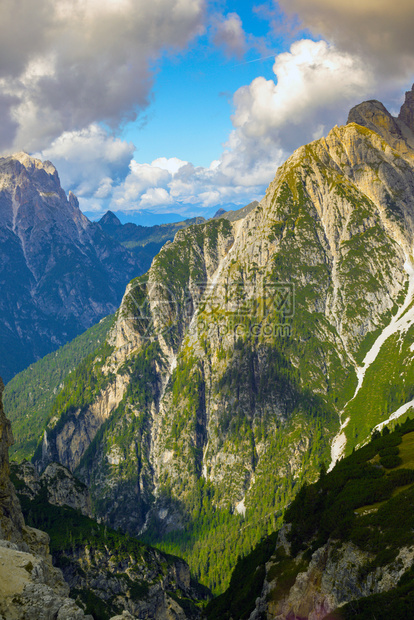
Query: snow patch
x=240 y=508
x=397 y=414
x=338 y=445
x=400 y=322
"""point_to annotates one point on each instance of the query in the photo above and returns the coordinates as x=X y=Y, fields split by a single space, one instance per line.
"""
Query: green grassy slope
x=29 y=396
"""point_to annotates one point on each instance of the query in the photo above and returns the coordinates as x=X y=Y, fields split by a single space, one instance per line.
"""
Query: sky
x=186 y=106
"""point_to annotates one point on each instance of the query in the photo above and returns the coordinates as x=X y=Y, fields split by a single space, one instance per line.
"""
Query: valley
x=260 y=349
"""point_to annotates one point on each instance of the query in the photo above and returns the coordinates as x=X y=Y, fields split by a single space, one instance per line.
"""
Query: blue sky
x=189 y=116
x=183 y=106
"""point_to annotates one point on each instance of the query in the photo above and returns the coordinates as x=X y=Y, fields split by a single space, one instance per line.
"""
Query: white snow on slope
x=399 y=323
x=338 y=445
x=394 y=416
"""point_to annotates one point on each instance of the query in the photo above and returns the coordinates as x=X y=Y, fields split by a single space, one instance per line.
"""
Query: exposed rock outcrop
x=62 y=488
x=31 y=588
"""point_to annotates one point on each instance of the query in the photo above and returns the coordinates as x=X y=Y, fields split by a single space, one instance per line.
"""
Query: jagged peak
x=110 y=218
x=219 y=213
x=406 y=114
x=30 y=162
x=375 y=116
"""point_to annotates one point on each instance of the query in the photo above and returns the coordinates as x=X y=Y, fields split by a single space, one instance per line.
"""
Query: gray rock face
x=375 y=116
x=62 y=488
x=406 y=114
x=30 y=586
x=59 y=272
x=397 y=132
x=331 y=579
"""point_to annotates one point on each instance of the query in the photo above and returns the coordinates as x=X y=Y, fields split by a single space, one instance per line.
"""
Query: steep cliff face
x=59 y=486
x=30 y=586
x=240 y=350
x=59 y=272
x=107 y=572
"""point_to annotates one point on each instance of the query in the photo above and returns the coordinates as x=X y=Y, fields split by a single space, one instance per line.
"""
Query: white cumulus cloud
x=315 y=83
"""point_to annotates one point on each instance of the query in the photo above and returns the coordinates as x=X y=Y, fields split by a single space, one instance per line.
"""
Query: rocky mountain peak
x=49 y=242
x=32 y=162
x=219 y=213
x=29 y=175
x=398 y=132
x=111 y=224
x=110 y=219
x=406 y=114
x=374 y=115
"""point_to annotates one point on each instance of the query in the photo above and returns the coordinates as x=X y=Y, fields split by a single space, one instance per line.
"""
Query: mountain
x=34 y=389
x=30 y=586
x=144 y=241
x=109 y=222
x=59 y=273
x=108 y=572
x=346 y=549
x=219 y=212
x=252 y=351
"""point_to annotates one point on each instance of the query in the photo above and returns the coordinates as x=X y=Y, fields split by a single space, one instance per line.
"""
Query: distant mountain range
x=143 y=241
x=59 y=272
x=144 y=217
x=146 y=241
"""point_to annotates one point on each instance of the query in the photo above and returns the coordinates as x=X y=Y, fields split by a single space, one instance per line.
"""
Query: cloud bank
x=65 y=64
x=379 y=31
